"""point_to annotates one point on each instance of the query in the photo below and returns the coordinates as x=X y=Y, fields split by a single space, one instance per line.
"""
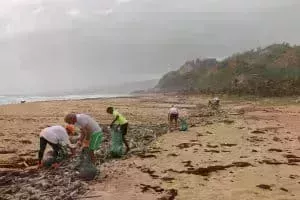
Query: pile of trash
x=142 y=135
x=65 y=182
x=69 y=180
x=207 y=114
x=62 y=183
x=139 y=136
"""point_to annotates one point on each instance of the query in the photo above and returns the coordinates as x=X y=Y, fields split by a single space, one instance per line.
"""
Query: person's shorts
x=173 y=116
x=124 y=128
x=95 y=141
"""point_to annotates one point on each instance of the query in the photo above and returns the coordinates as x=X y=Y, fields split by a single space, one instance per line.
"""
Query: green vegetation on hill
x=270 y=71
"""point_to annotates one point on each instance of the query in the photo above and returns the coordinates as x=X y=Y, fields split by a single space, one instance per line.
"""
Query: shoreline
x=62 y=98
x=271 y=101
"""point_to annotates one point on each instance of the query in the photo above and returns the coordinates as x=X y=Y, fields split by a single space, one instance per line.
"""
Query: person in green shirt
x=121 y=123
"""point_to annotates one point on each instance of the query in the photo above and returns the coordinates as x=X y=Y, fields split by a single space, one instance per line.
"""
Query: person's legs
x=124 y=129
x=56 y=148
x=170 y=123
x=172 y=119
x=43 y=144
x=92 y=156
x=176 y=121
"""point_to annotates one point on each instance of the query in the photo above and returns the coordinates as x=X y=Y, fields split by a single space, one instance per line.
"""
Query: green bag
x=116 y=149
x=183 y=125
x=87 y=169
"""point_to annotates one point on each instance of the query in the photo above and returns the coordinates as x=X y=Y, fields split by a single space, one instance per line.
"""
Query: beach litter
x=69 y=181
x=183 y=125
x=116 y=148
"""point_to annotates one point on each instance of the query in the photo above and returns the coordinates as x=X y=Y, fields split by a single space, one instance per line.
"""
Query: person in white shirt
x=56 y=137
x=173 y=117
x=91 y=132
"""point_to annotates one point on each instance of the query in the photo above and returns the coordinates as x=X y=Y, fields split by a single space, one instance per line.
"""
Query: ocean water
x=17 y=99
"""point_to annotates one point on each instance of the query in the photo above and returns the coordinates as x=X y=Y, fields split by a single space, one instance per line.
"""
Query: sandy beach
x=249 y=150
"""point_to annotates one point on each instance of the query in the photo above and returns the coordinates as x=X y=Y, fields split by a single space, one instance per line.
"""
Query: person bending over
x=56 y=137
x=121 y=123
x=173 y=117
x=91 y=132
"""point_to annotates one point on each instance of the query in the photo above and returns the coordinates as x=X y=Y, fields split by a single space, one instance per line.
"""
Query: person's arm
x=41 y=153
x=82 y=136
x=112 y=123
x=82 y=122
x=66 y=141
x=72 y=148
x=87 y=134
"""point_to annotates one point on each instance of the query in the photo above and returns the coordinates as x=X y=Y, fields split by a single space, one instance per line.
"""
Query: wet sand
x=249 y=151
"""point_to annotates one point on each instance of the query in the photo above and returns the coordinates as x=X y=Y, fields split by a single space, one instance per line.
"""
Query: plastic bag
x=87 y=169
x=116 y=149
x=183 y=125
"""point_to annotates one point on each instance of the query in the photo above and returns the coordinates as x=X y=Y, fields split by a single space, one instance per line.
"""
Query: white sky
x=93 y=40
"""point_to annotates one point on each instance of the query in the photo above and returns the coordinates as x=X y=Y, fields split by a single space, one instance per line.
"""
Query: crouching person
x=91 y=133
x=56 y=137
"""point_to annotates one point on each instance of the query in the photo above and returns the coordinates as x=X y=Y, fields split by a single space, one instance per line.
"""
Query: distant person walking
x=91 y=133
x=121 y=123
x=56 y=137
x=173 y=117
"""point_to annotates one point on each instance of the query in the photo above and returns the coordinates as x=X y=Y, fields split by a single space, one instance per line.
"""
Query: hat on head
x=70 y=128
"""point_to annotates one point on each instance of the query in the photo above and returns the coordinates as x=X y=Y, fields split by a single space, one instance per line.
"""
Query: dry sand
x=251 y=151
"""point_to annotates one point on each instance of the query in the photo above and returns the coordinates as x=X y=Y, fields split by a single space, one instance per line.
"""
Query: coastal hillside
x=270 y=71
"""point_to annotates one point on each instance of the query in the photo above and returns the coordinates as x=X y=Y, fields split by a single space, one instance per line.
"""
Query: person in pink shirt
x=173 y=117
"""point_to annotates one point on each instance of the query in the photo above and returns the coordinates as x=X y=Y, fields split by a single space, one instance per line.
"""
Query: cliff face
x=186 y=77
x=271 y=71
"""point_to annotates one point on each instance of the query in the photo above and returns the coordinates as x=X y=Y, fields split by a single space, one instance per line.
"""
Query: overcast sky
x=56 y=45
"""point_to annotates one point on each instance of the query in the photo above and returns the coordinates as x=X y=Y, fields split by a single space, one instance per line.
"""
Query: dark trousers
x=43 y=145
x=123 y=129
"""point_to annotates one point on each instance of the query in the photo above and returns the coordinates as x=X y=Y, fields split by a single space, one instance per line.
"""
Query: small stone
x=228 y=121
x=57 y=198
x=73 y=193
x=243 y=156
x=264 y=186
x=31 y=190
x=293 y=176
x=274 y=149
x=284 y=189
x=42 y=184
x=35 y=197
